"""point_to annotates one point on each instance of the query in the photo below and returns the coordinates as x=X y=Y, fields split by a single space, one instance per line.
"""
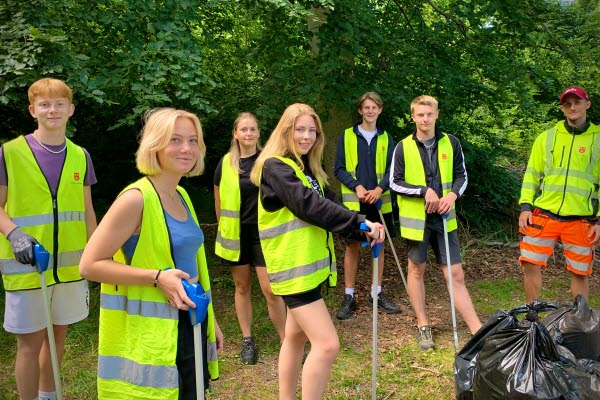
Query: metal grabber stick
x=197 y=315
x=375 y=254
x=450 y=289
x=387 y=233
x=42 y=257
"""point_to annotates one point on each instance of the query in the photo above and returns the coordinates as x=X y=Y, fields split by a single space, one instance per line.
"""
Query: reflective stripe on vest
x=138 y=327
x=57 y=223
x=227 y=244
x=570 y=177
x=349 y=197
x=299 y=256
x=412 y=209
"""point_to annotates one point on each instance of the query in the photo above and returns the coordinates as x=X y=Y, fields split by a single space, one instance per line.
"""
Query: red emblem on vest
x=582 y=149
x=76 y=176
x=444 y=156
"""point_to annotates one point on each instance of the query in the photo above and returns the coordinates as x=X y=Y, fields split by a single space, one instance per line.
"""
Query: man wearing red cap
x=559 y=196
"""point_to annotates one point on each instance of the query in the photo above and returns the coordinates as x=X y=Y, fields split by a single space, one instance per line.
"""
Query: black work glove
x=22 y=246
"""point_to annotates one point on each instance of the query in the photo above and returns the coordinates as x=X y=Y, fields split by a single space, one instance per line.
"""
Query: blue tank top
x=186 y=238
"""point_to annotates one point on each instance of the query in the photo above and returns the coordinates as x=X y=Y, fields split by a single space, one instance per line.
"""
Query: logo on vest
x=76 y=176
x=444 y=156
x=582 y=149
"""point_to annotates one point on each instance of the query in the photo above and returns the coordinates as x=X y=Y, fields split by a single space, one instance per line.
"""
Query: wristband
x=156 y=278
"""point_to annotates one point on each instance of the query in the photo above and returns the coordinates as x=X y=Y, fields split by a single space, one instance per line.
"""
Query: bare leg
x=416 y=291
x=46 y=372
x=27 y=366
x=580 y=284
x=290 y=358
x=311 y=321
x=532 y=281
x=242 y=277
x=274 y=303
x=351 y=264
x=462 y=299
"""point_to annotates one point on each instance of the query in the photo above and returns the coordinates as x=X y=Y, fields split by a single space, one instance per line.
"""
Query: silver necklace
x=46 y=148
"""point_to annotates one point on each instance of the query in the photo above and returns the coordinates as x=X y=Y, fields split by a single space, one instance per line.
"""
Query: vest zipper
x=567 y=173
x=55 y=236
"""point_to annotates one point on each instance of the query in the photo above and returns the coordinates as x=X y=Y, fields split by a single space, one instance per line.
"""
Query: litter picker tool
x=450 y=289
x=375 y=253
x=42 y=258
x=387 y=233
x=197 y=315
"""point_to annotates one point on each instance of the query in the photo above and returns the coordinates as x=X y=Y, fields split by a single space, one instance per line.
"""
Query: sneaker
x=386 y=304
x=347 y=308
x=249 y=353
x=424 y=338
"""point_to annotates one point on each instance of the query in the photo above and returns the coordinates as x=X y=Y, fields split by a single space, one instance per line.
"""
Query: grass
x=403 y=373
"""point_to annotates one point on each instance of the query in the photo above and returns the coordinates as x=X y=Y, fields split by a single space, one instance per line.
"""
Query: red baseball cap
x=576 y=90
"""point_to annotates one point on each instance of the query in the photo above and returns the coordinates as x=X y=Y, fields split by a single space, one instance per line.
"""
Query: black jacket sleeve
x=281 y=187
x=459 y=179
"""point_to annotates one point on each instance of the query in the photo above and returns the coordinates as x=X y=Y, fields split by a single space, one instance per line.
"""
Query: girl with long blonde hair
x=296 y=215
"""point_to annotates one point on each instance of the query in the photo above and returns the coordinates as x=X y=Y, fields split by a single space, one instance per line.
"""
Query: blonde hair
x=159 y=124
x=374 y=96
x=49 y=87
x=234 y=150
x=281 y=144
x=423 y=101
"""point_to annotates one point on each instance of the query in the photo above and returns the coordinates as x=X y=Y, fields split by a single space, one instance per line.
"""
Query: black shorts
x=250 y=250
x=434 y=235
x=302 y=299
x=185 y=360
x=372 y=214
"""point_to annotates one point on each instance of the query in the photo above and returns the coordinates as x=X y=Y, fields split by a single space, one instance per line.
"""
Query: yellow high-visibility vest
x=349 y=196
x=563 y=171
x=227 y=244
x=412 y=209
x=57 y=222
x=299 y=255
x=138 y=327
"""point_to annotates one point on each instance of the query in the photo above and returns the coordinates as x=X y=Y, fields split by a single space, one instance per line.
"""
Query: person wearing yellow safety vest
x=296 y=215
x=238 y=243
x=45 y=197
x=428 y=173
x=148 y=241
x=362 y=165
x=559 y=197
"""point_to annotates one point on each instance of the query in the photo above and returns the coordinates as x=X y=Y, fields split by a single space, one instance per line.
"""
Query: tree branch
x=461 y=27
x=397 y=2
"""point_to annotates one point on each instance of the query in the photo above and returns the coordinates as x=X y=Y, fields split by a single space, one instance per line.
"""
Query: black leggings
x=185 y=360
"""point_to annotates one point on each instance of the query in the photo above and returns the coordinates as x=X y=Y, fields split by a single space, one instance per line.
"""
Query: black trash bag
x=577 y=327
x=464 y=363
x=524 y=363
x=590 y=380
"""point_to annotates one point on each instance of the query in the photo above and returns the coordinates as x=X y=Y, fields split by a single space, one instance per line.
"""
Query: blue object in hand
x=41 y=258
x=375 y=249
x=196 y=293
x=378 y=204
